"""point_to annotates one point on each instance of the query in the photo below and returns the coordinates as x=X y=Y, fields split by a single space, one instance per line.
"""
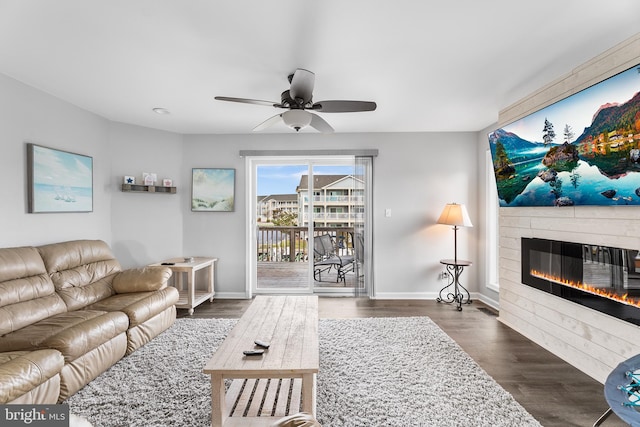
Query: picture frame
x=58 y=180
x=213 y=190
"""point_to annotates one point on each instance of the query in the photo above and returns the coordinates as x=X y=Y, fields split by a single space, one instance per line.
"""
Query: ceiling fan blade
x=302 y=84
x=319 y=124
x=248 y=101
x=344 y=106
x=268 y=123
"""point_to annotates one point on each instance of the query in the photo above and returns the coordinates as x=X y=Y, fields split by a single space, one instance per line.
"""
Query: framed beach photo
x=58 y=181
x=213 y=190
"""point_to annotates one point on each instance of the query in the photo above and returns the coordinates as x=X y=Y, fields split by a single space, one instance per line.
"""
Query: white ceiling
x=447 y=65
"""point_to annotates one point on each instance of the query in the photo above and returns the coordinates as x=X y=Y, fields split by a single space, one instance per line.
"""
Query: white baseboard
x=432 y=296
x=488 y=301
x=385 y=295
x=406 y=295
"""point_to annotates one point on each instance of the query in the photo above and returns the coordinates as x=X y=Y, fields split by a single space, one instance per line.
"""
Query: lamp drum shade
x=455 y=214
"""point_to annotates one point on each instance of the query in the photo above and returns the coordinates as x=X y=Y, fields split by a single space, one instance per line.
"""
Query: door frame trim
x=251 y=163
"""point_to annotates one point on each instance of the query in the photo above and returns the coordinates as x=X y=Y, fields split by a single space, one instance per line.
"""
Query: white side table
x=194 y=293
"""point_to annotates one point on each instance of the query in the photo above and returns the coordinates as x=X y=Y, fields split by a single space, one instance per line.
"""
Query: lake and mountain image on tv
x=583 y=150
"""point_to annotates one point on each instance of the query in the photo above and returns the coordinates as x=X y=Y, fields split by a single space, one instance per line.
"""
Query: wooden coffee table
x=290 y=325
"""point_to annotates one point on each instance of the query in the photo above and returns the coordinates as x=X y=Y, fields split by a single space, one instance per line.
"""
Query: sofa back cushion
x=27 y=293
x=81 y=270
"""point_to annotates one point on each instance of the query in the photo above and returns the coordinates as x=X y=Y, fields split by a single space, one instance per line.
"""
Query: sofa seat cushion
x=73 y=333
x=139 y=306
x=23 y=371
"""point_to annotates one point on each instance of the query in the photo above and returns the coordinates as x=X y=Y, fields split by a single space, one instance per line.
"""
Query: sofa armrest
x=143 y=279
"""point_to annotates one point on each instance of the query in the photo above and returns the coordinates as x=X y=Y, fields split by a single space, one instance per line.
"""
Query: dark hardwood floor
x=554 y=392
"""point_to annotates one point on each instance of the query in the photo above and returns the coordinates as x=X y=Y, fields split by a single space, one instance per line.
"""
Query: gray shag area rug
x=373 y=372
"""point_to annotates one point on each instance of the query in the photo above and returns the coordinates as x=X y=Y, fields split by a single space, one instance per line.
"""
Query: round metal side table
x=454 y=292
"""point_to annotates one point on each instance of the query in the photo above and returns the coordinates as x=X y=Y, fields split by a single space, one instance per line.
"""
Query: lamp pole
x=455 y=244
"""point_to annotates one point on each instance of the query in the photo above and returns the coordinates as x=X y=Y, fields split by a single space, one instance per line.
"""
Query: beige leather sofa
x=68 y=312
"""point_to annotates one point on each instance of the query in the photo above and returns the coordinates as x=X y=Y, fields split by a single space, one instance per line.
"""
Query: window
x=492 y=237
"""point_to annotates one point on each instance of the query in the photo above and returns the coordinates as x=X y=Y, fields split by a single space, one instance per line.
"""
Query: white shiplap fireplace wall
x=593 y=342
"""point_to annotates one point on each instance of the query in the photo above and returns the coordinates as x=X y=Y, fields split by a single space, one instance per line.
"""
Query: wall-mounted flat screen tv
x=582 y=150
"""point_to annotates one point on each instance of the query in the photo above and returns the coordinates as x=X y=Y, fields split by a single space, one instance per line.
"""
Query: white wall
x=415 y=174
x=591 y=341
x=147 y=227
x=29 y=115
x=141 y=228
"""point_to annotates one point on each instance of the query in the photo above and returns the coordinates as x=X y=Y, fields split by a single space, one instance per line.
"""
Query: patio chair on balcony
x=326 y=257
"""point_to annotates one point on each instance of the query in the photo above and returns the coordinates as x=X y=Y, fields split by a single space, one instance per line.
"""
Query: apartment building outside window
x=337 y=200
x=269 y=205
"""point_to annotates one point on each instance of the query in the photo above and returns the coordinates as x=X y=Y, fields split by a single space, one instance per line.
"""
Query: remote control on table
x=256 y=352
x=168 y=263
x=262 y=344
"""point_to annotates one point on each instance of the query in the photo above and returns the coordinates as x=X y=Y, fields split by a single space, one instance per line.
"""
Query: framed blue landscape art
x=58 y=181
x=582 y=150
x=213 y=190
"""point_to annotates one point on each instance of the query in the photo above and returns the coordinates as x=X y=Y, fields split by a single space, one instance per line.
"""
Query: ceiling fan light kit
x=296 y=119
x=297 y=99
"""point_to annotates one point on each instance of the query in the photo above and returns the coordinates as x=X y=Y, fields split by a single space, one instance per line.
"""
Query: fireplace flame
x=625 y=299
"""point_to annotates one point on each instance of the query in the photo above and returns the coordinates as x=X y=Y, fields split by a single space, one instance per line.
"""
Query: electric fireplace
x=603 y=278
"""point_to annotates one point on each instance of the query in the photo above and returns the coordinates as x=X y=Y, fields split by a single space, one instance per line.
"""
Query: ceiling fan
x=298 y=102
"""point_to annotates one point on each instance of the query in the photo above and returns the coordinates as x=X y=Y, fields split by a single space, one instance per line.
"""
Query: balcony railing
x=318 y=216
x=291 y=244
x=335 y=199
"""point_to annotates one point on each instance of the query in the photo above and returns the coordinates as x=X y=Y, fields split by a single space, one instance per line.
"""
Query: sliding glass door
x=308 y=225
x=282 y=239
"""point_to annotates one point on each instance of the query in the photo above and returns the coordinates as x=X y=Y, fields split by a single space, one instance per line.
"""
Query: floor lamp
x=456 y=215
